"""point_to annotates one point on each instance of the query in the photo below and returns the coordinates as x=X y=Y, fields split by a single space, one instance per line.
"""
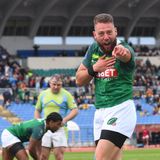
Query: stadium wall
x=154 y=60
x=15 y=43
x=150 y=127
x=12 y=44
x=69 y=62
x=53 y=62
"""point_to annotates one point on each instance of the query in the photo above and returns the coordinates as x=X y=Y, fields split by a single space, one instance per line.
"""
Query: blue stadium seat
x=23 y=111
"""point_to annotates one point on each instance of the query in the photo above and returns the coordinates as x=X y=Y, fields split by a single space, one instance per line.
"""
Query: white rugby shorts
x=56 y=139
x=8 y=138
x=120 y=118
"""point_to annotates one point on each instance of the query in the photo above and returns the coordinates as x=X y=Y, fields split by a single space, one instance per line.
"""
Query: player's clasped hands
x=104 y=63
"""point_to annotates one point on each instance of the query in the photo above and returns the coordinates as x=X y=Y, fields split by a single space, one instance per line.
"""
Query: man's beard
x=108 y=46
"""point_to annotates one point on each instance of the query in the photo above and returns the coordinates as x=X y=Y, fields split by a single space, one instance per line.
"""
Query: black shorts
x=16 y=147
x=116 y=138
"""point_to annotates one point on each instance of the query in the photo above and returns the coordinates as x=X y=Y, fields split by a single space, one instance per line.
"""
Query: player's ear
x=94 y=35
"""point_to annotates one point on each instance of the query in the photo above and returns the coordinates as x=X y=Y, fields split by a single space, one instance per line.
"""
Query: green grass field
x=139 y=154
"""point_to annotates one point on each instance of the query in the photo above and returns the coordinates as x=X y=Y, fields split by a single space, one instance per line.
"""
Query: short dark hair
x=54 y=116
x=103 y=18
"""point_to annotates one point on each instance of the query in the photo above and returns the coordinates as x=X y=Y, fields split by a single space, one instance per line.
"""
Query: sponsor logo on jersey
x=109 y=73
x=95 y=56
x=112 y=121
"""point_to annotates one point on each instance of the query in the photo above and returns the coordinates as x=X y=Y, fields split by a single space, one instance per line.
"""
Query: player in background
x=29 y=131
x=111 y=63
x=55 y=99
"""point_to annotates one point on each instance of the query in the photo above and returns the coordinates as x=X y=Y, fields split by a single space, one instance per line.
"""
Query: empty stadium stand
x=24 y=111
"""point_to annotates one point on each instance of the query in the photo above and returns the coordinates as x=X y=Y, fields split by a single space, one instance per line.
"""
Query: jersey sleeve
x=37 y=132
x=39 y=102
x=87 y=58
x=71 y=101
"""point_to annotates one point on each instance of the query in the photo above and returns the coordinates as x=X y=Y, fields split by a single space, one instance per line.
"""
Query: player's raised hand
x=122 y=53
x=103 y=63
x=119 y=51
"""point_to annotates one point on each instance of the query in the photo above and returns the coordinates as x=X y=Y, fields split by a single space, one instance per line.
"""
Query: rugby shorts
x=56 y=139
x=120 y=118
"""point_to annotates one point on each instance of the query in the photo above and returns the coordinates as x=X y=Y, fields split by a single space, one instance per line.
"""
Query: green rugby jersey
x=49 y=102
x=34 y=128
x=112 y=86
